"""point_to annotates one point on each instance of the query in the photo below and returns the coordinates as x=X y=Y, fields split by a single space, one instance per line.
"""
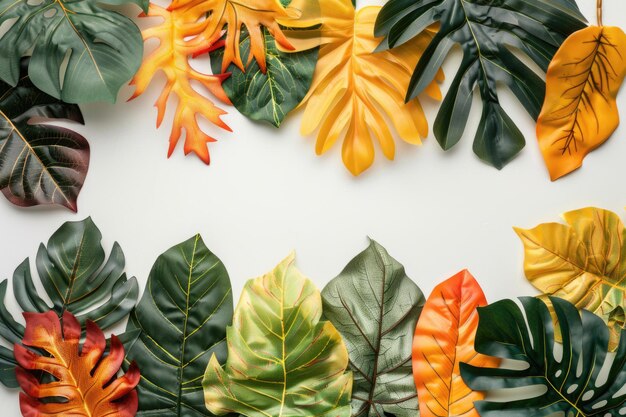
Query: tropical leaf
x=580 y=112
x=181 y=35
x=81 y=51
x=375 y=307
x=355 y=92
x=569 y=375
x=39 y=163
x=444 y=337
x=488 y=32
x=268 y=96
x=583 y=262
x=282 y=360
x=182 y=319
x=75 y=276
x=85 y=382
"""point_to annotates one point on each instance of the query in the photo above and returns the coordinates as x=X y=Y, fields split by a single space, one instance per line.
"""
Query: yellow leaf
x=357 y=93
x=583 y=262
x=580 y=112
x=181 y=36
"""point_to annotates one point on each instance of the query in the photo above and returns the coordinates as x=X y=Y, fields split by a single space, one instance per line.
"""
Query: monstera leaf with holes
x=444 y=337
x=271 y=94
x=39 y=163
x=182 y=318
x=488 y=33
x=85 y=382
x=580 y=112
x=282 y=360
x=355 y=92
x=375 y=306
x=583 y=262
x=81 y=50
x=75 y=276
x=578 y=378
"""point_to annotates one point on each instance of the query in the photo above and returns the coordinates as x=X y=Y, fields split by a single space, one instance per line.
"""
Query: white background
x=266 y=194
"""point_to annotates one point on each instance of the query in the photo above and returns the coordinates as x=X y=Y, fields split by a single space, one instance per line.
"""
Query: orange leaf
x=580 y=113
x=444 y=337
x=85 y=379
x=183 y=34
x=356 y=94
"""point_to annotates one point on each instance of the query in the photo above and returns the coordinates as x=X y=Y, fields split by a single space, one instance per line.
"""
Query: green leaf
x=39 y=163
x=182 y=318
x=568 y=373
x=268 y=96
x=375 y=307
x=487 y=32
x=81 y=51
x=76 y=278
x=282 y=360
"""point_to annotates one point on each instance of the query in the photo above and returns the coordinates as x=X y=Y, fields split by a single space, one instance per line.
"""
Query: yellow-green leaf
x=583 y=262
x=282 y=360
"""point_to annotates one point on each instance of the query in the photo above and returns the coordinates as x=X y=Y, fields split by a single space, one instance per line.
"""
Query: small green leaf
x=81 y=51
x=271 y=96
x=375 y=307
x=568 y=373
x=75 y=276
x=282 y=360
x=182 y=319
x=39 y=163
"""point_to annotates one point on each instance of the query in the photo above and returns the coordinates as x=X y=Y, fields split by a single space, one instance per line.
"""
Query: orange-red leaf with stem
x=84 y=378
x=444 y=337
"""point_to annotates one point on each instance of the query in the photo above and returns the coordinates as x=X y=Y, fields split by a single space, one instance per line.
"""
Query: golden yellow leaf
x=583 y=262
x=580 y=112
x=181 y=35
x=357 y=93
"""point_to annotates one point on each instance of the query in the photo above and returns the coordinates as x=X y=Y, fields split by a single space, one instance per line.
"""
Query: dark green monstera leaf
x=77 y=278
x=182 y=319
x=81 y=50
x=375 y=307
x=39 y=163
x=488 y=33
x=267 y=96
x=579 y=378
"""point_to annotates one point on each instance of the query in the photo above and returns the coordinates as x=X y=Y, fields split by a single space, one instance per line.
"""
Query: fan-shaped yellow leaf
x=181 y=36
x=355 y=92
x=579 y=112
x=583 y=262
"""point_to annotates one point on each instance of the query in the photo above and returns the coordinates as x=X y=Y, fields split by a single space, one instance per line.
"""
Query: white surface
x=266 y=193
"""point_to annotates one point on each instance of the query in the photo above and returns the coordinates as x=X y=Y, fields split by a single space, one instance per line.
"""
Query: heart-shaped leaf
x=39 y=163
x=85 y=382
x=357 y=94
x=580 y=112
x=487 y=32
x=282 y=360
x=182 y=319
x=375 y=307
x=83 y=52
x=75 y=276
x=444 y=337
x=583 y=262
x=577 y=378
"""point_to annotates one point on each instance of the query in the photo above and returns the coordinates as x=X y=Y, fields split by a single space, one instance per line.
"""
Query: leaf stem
x=599 y=12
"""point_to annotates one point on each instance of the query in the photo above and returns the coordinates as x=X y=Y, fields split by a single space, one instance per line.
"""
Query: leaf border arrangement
x=367 y=345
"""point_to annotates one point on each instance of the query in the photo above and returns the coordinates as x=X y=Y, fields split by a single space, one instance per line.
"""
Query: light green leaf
x=282 y=360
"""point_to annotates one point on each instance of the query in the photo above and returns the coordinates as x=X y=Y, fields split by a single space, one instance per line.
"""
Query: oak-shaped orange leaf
x=356 y=93
x=580 y=113
x=85 y=379
x=444 y=337
x=182 y=35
